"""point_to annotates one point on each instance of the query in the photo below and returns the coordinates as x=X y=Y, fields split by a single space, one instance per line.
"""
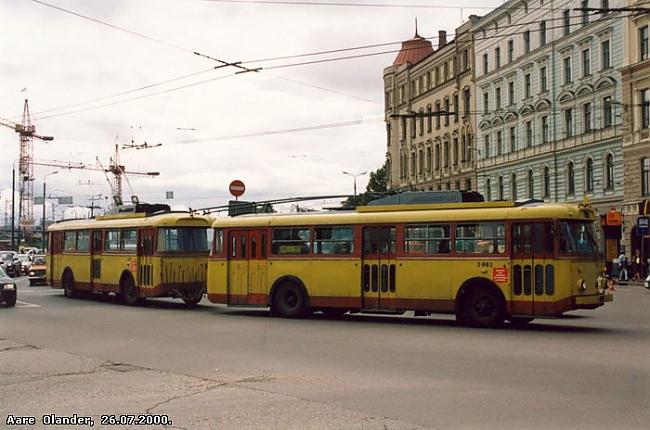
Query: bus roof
x=489 y=211
x=169 y=219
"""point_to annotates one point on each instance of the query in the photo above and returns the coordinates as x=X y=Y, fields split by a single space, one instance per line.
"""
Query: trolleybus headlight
x=583 y=285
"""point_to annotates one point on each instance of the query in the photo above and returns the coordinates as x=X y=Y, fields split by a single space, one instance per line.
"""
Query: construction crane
x=114 y=168
x=27 y=133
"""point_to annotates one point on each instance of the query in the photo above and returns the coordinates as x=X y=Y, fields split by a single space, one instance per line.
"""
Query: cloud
x=63 y=59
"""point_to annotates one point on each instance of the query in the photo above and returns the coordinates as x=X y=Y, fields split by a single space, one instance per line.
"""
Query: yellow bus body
x=548 y=287
x=154 y=273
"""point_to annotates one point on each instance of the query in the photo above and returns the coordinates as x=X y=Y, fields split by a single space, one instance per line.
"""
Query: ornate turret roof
x=413 y=50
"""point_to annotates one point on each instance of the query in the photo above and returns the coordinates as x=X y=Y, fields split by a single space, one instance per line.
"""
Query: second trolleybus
x=147 y=251
x=482 y=261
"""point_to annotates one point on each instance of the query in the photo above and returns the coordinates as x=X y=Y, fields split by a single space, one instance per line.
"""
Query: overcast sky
x=65 y=60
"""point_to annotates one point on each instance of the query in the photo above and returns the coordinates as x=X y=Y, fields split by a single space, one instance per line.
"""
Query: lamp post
x=13 y=204
x=355 y=178
x=43 y=235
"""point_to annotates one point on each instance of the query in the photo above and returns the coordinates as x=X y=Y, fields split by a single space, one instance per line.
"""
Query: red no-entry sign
x=237 y=188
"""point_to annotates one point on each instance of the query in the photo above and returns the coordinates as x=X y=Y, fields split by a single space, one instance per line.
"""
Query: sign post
x=237 y=188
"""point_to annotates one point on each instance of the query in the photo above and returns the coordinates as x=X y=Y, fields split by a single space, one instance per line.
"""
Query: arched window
x=547 y=182
x=609 y=172
x=488 y=190
x=513 y=185
x=531 y=185
x=463 y=148
x=500 y=188
x=589 y=175
x=571 y=178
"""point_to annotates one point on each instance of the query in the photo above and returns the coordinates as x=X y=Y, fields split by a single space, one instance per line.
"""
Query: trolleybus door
x=96 y=244
x=257 y=268
x=238 y=267
x=146 y=241
x=54 y=257
x=378 y=269
x=533 y=278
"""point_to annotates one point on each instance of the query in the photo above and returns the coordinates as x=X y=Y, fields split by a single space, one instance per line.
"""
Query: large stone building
x=429 y=98
x=636 y=134
x=549 y=102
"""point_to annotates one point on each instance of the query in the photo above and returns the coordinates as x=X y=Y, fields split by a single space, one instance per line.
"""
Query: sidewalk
x=633 y=283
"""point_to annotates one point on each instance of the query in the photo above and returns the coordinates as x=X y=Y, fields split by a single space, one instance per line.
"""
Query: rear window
x=183 y=239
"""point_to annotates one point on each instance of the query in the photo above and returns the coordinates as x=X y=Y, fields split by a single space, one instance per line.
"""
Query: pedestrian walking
x=637 y=266
x=622 y=267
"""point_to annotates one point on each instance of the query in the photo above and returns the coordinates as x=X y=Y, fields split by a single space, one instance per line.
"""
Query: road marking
x=20 y=304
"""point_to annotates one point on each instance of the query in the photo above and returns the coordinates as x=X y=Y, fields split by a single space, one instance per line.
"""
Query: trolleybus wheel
x=483 y=307
x=69 y=290
x=130 y=293
x=191 y=297
x=289 y=301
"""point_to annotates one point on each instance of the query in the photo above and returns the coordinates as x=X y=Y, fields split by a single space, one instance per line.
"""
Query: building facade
x=636 y=134
x=429 y=98
x=548 y=105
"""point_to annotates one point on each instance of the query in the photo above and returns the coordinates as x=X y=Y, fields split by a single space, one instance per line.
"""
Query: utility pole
x=13 y=204
x=43 y=234
x=92 y=206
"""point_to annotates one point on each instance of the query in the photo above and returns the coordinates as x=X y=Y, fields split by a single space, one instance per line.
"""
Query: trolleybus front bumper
x=591 y=301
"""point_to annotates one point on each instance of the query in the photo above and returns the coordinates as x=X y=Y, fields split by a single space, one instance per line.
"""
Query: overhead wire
x=325 y=60
x=267 y=68
x=280 y=131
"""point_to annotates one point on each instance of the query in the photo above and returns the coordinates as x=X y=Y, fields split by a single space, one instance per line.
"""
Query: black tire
x=192 y=297
x=289 y=301
x=69 y=289
x=129 y=294
x=484 y=307
x=10 y=299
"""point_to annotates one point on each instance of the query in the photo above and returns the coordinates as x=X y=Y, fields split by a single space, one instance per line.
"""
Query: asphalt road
x=219 y=367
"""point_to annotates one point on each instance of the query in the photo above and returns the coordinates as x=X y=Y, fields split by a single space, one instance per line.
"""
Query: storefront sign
x=643 y=226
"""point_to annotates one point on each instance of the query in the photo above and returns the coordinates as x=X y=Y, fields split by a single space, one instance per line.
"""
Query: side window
x=69 y=240
x=112 y=241
x=83 y=241
x=427 y=239
x=291 y=241
x=129 y=240
x=334 y=240
x=522 y=236
x=253 y=247
x=218 y=242
x=263 y=245
x=481 y=238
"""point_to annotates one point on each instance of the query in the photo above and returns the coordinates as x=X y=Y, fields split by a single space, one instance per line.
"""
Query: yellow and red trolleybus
x=484 y=262
x=134 y=255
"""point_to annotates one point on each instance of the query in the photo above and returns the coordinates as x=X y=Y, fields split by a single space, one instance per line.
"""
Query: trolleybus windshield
x=576 y=237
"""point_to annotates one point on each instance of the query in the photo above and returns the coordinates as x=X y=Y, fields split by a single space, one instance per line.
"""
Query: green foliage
x=377 y=185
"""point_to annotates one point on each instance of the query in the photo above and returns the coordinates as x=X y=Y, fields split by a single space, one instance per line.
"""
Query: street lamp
x=355 y=178
x=43 y=235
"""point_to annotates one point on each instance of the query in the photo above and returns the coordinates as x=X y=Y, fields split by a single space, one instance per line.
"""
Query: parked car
x=8 y=293
x=9 y=263
x=37 y=272
x=25 y=263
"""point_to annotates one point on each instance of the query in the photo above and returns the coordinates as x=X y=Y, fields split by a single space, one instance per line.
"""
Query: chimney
x=442 y=38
